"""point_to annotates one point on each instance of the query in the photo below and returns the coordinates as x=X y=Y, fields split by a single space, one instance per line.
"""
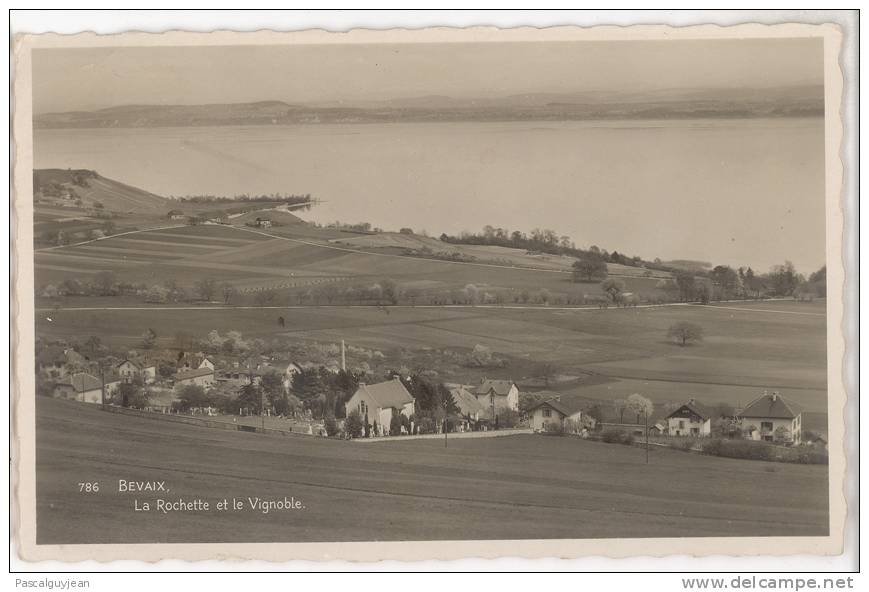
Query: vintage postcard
x=428 y=294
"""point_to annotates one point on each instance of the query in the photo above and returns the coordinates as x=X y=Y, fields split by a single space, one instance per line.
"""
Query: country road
x=432 y=306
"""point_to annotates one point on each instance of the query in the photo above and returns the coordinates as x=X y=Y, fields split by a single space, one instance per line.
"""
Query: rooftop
x=771 y=405
x=501 y=387
x=388 y=394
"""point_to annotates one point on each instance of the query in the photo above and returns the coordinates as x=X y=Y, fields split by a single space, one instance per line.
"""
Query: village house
x=176 y=215
x=80 y=386
x=469 y=407
x=552 y=411
x=497 y=394
x=195 y=362
x=690 y=419
x=263 y=223
x=772 y=418
x=203 y=377
x=376 y=403
x=128 y=370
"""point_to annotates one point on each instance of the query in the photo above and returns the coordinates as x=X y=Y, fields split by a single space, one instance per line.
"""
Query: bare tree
x=684 y=333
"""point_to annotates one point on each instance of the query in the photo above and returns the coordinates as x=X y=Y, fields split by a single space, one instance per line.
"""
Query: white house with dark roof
x=550 y=411
x=378 y=402
x=80 y=386
x=772 y=418
x=500 y=394
x=690 y=419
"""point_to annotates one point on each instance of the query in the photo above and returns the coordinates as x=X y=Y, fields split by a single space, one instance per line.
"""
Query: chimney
x=343 y=358
x=774 y=396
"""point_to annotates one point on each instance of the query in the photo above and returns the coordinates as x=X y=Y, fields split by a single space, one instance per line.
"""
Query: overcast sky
x=84 y=79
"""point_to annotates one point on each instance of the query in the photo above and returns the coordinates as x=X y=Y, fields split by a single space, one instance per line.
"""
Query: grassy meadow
x=518 y=487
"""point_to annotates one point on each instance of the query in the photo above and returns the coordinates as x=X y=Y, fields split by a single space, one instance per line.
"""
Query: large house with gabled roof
x=772 y=418
x=497 y=394
x=377 y=403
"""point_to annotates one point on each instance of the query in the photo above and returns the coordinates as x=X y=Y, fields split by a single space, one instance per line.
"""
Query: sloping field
x=484 y=253
x=520 y=487
x=189 y=253
x=114 y=196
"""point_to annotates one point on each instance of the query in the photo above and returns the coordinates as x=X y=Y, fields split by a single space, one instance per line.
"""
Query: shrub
x=553 y=429
x=395 y=425
x=507 y=418
x=614 y=436
x=331 y=426
x=426 y=425
x=754 y=450
x=353 y=424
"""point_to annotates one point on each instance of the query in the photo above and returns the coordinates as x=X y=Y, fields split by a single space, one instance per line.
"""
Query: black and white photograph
x=492 y=288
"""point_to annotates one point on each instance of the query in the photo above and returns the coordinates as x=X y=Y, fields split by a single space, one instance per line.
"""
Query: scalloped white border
x=21 y=309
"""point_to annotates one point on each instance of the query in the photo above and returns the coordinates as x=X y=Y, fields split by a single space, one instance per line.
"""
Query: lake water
x=732 y=191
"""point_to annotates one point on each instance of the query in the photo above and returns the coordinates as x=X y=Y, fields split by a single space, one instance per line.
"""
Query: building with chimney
x=772 y=418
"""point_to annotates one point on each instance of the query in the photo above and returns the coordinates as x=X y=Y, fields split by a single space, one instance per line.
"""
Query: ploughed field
x=293 y=257
x=519 y=487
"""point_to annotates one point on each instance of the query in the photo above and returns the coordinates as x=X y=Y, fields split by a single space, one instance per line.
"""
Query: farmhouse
x=378 y=402
x=690 y=419
x=176 y=215
x=80 y=387
x=772 y=418
x=201 y=377
x=552 y=411
x=263 y=223
x=500 y=394
x=469 y=407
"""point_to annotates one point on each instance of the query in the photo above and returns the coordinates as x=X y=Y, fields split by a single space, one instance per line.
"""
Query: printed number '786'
x=89 y=487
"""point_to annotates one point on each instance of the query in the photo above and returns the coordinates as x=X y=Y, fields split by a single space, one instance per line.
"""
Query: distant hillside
x=278 y=217
x=95 y=191
x=798 y=101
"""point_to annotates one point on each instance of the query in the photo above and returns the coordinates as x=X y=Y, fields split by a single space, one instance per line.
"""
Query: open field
x=279 y=258
x=744 y=352
x=521 y=487
x=748 y=346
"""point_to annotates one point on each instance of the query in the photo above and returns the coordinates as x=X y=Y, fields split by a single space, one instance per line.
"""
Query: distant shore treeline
x=291 y=199
x=730 y=103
